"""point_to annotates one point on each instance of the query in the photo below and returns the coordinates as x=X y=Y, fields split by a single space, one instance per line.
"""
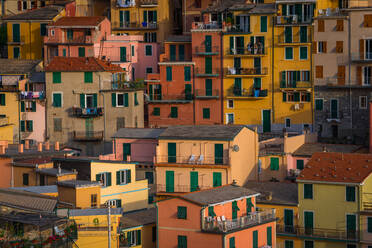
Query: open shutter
x=269 y=235
x=361 y=49
x=33 y=106
x=95 y=100
x=126 y=100
x=22 y=106
x=139 y=237
x=98 y=177
x=118 y=178
x=22 y=126
x=108 y=177
x=359 y=75
x=314 y=47
x=129 y=176
x=82 y=101
x=118 y=203
x=129 y=237
x=113 y=99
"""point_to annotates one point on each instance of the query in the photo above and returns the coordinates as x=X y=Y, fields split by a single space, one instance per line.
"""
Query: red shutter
x=19 y=5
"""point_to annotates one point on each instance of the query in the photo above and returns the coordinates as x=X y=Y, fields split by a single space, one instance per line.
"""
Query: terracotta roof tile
x=81 y=64
x=78 y=21
x=337 y=167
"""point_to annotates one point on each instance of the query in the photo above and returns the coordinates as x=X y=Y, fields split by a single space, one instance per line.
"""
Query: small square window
x=148 y=50
x=182 y=213
x=149 y=70
x=289 y=53
x=363 y=102
x=230 y=104
x=287 y=122
x=308 y=191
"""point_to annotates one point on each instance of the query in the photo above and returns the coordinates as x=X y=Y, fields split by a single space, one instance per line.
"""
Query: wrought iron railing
x=193 y=159
x=87 y=112
x=88 y=135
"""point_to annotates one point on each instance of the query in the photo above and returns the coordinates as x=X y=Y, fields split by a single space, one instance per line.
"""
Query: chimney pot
x=128 y=158
x=40 y=147
x=20 y=148
x=2 y=149
x=47 y=146
x=27 y=144
x=56 y=146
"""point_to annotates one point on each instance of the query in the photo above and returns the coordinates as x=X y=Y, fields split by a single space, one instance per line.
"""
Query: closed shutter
x=129 y=176
x=208 y=65
x=56 y=77
x=232 y=242
x=81 y=52
x=194 y=182
x=57 y=100
x=2 y=100
x=208 y=43
x=274 y=163
x=16 y=33
x=108 y=178
x=288 y=218
x=263 y=24
x=303 y=34
x=172 y=52
x=23 y=126
x=350 y=193
x=174 y=112
x=341 y=75
x=127 y=16
x=339 y=46
x=113 y=99
x=129 y=237
x=98 y=177
x=359 y=75
x=172 y=152
x=231 y=44
x=208 y=87
x=206 y=113
x=235 y=209
x=169 y=73
x=123 y=54
x=217 y=179
x=324 y=46
x=218 y=153
x=118 y=203
x=169 y=180
x=255 y=239
x=367 y=21
x=43 y=29
x=361 y=49
x=82 y=100
x=319 y=71
x=211 y=211
x=118 y=177
x=289 y=53
x=369 y=224
x=296 y=96
x=188 y=94
x=300 y=164
x=257 y=83
x=319 y=104
x=249 y=205
x=25 y=179
x=139 y=239
x=181 y=52
x=284 y=96
x=95 y=100
x=309 y=220
x=126 y=100
x=126 y=151
x=135 y=99
x=156 y=111
x=187 y=72
x=308 y=191
x=145 y=16
x=288 y=34
x=303 y=52
x=22 y=106
x=269 y=234
x=33 y=106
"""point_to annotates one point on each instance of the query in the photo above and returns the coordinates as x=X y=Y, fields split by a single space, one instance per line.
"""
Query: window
x=309 y=244
x=16 y=52
x=367 y=21
x=288 y=244
x=149 y=175
x=104 y=178
x=206 y=113
x=88 y=77
x=289 y=53
x=2 y=100
x=169 y=73
x=134 y=237
x=339 y=46
x=174 y=112
x=120 y=123
x=274 y=164
x=230 y=118
x=149 y=17
x=182 y=242
x=28 y=126
x=25 y=178
x=232 y=242
x=269 y=235
x=369 y=224
x=319 y=71
x=334 y=108
x=367 y=75
x=263 y=24
x=230 y=104
x=287 y=122
x=211 y=211
x=122 y=100
x=308 y=191
x=57 y=77
x=81 y=52
x=363 y=102
x=149 y=70
x=28 y=106
x=150 y=37
x=156 y=111
x=43 y=29
x=322 y=47
x=182 y=213
x=93 y=200
x=303 y=53
x=123 y=177
x=64 y=52
x=57 y=124
x=124 y=18
x=340 y=25
x=187 y=72
x=320 y=25
x=300 y=164
x=148 y=50
x=350 y=193
x=16 y=32
x=319 y=104
x=70 y=34
x=57 y=100
x=114 y=203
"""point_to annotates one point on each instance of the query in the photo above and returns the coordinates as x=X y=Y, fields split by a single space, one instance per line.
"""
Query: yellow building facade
x=10 y=110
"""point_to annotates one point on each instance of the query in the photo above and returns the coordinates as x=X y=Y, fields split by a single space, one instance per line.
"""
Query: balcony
x=193 y=160
x=237 y=29
x=135 y=26
x=88 y=135
x=82 y=40
x=330 y=234
x=161 y=98
x=295 y=85
x=32 y=95
x=254 y=94
x=365 y=58
x=206 y=26
x=206 y=50
x=207 y=94
x=87 y=112
x=345 y=4
x=240 y=72
x=18 y=40
x=295 y=39
x=220 y=225
x=148 y=3
x=125 y=3
x=163 y=188
x=256 y=50
x=292 y=20
x=212 y=72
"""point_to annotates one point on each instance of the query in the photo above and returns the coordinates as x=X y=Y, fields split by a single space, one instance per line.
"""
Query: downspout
x=272 y=72
x=360 y=193
x=349 y=69
x=312 y=79
x=157 y=224
x=194 y=94
x=222 y=76
x=104 y=110
x=30 y=39
x=227 y=171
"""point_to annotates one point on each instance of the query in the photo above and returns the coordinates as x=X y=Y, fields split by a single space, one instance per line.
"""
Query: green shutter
x=288 y=34
x=145 y=16
x=81 y=52
x=334 y=108
x=126 y=150
x=98 y=177
x=148 y=50
x=33 y=106
x=269 y=236
x=206 y=113
x=118 y=203
x=30 y=126
x=127 y=16
x=188 y=94
x=169 y=73
x=231 y=44
x=284 y=96
x=16 y=52
x=182 y=242
x=121 y=18
x=108 y=176
x=194 y=184
x=64 y=52
x=123 y=54
x=126 y=100
x=88 y=77
x=156 y=111
x=303 y=34
x=57 y=77
x=129 y=237
x=308 y=220
x=2 y=100
x=263 y=24
x=139 y=239
x=172 y=153
x=132 y=49
x=237 y=86
x=169 y=181
x=135 y=99
x=308 y=191
x=208 y=87
x=181 y=212
x=25 y=179
x=319 y=104
x=369 y=224
x=22 y=126
x=129 y=176
x=57 y=100
x=95 y=100
x=350 y=193
x=235 y=209
x=255 y=239
x=16 y=33
x=211 y=211
x=187 y=72
x=232 y=242
x=217 y=179
x=288 y=244
x=303 y=52
x=113 y=99
x=82 y=100
x=208 y=65
x=181 y=52
x=288 y=218
x=22 y=106
x=218 y=153
x=172 y=52
x=289 y=53
x=274 y=163
x=43 y=29
x=118 y=178
x=257 y=83
x=249 y=205
x=174 y=112
x=300 y=164
x=296 y=96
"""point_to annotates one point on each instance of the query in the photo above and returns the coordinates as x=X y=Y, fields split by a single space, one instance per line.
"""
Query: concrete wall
x=142 y=150
x=38 y=120
x=11 y=111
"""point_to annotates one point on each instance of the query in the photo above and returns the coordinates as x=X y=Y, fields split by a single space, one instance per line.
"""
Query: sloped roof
x=179 y=38
x=39 y=189
x=94 y=211
x=55 y=172
x=281 y=193
x=205 y=132
x=307 y=150
x=17 y=66
x=218 y=195
x=77 y=64
x=138 y=133
x=45 y=13
x=337 y=168
x=71 y=21
x=138 y=218
x=78 y=183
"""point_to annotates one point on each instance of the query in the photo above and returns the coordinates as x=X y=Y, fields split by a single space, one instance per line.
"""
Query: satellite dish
x=235 y=148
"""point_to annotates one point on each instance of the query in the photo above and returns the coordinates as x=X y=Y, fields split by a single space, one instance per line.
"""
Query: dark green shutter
x=118 y=203
x=188 y=94
x=232 y=242
x=194 y=184
x=235 y=209
x=156 y=111
x=33 y=106
x=98 y=177
x=284 y=96
x=319 y=104
x=217 y=179
x=118 y=178
x=113 y=99
x=237 y=87
x=169 y=73
x=231 y=44
x=255 y=239
x=288 y=218
x=303 y=52
x=284 y=9
x=22 y=106
x=43 y=29
x=208 y=43
x=129 y=176
x=206 y=113
x=108 y=177
x=208 y=65
x=300 y=164
x=139 y=239
x=289 y=53
x=274 y=163
x=257 y=83
x=308 y=191
x=181 y=52
x=127 y=16
x=2 y=100
x=30 y=126
x=263 y=24
x=173 y=52
x=172 y=152
x=126 y=100
x=82 y=100
x=82 y=52
x=16 y=33
x=148 y=50
x=269 y=236
x=218 y=153
x=126 y=150
x=129 y=237
x=123 y=54
x=64 y=52
x=303 y=34
x=308 y=220
x=174 y=112
x=56 y=77
x=145 y=16
x=296 y=96
x=121 y=17
x=169 y=181
x=298 y=11
x=187 y=72
x=249 y=205
x=22 y=126
x=25 y=179
x=334 y=108
x=132 y=49
x=288 y=34
x=95 y=100
x=211 y=211
x=135 y=99
x=288 y=244
x=350 y=193
x=369 y=224
x=208 y=87
x=57 y=100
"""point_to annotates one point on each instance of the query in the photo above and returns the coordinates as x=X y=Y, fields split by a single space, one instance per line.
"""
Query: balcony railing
x=145 y=3
x=206 y=26
x=295 y=84
x=193 y=159
x=207 y=93
x=180 y=188
x=220 y=225
x=16 y=40
x=32 y=95
x=238 y=29
x=295 y=38
x=292 y=19
x=87 y=112
x=202 y=72
x=125 y=3
x=170 y=98
x=255 y=50
x=135 y=25
x=318 y=233
x=88 y=39
x=242 y=92
x=365 y=57
x=176 y=59
x=88 y=135
x=231 y=71
x=207 y=50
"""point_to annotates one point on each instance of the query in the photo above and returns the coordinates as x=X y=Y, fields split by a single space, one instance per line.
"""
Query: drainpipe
x=194 y=93
x=349 y=69
x=157 y=224
x=104 y=110
x=185 y=19
x=272 y=72
x=227 y=171
x=221 y=67
x=312 y=79
x=30 y=39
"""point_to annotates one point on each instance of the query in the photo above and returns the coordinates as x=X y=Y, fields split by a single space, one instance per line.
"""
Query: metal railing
x=243 y=92
x=295 y=84
x=205 y=93
x=220 y=225
x=88 y=135
x=295 y=38
x=206 y=50
x=180 y=188
x=206 y=26
x=87 y=39
x=318 y=232
x=193 y=159
x=87 y=112
x=176 y=59
x=231 y=71
x=292 y=19
x=125 y=3
x=148 y=2
x=238 y=29
x=365 y=57
x=135 y=25
x=200 y=72
x=32 y=95
x=164 y=98
x=252 y=50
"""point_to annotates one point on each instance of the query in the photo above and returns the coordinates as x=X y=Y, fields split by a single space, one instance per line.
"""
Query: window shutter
x=22 y=126
x=33 y=106
x=284 y=96
x=2 y=99
x=269 y=235
x=359 y=75
x=129 y=237
x=145 y=16
x=361 y=49
x=341 y=75
x=315 y=47
x=232 y=242
x=296 y=96
x=88 y=77
x=369 y=224
x=169 y=73
x=187 y=73
x=139 y=237
x=30 y=126
x=339 y=46
x=324 y=46
x=308 y=191
x=118 y=203
x=98 y=177
x=95 y=100
x=126 y=100
x=129 y=176
x=22 y=106
x=319 y=71
x=113 y=99
x=82 y=100
x=255 y=239
x=118 y=178
x=135 y=99
x=320 y=25
x=263 y=23
x=108 y=176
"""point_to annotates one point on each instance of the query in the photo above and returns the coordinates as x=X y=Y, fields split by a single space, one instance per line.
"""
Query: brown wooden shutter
x=341 y=75
x=314 y=47
x=19 y=5
x=320 y=25
x=339 y=46
x=324 y=46
x=319 y=71
x=340 y=25
x=367 y=21
x=359 y=75
x=361 y=49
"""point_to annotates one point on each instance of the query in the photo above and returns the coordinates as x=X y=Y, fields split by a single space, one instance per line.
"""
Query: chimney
x=269 y=196
x=20 y=148
x=56 y=146
x=47 y=146
x=27 y=144
x=40 y=147
x=2 y=149
x=128 y=158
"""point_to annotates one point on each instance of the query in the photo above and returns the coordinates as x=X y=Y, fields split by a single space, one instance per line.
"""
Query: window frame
x=228 y=105
x=148 y=55
x=57 y=92
x=182 y=215
x=307 y=53
x=360 y=102
x=312 y=191
x=117 y=100
x=319 y=99
x=346 y=193
x=285 y=53
x=227 y=118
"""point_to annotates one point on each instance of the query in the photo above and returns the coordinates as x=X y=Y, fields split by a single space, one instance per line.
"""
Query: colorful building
x=221 y=217
x=26 y=31
x=340 y=182
x=190 y=158
x=89 y=112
